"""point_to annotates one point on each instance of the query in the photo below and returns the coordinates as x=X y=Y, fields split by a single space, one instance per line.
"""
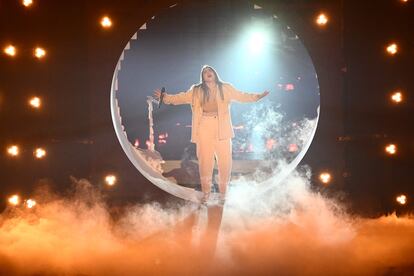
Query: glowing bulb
x=39 y=52
x=10 y=50
x=397 y=97
x=110 y=180
x=404 y=1
x=39 y=153
x=14 y=200
x=106 y=22
x=30 y=203
x=391 y=149
x=27 y=3
x=392 y=49
x=322 y=19
x=35 y=102
x=13 y=150
x=401 y=199
x=325 y=177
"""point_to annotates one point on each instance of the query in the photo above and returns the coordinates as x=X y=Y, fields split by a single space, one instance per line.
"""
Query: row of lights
x=11 y=50
x=396 y=97
x=326 y=178
x=14 y=151
x=39 y=153
x=36 y=102
x=322 y=20
x=15 y=200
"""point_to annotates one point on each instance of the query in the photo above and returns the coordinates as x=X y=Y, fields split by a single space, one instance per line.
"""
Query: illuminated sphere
x=251 y=57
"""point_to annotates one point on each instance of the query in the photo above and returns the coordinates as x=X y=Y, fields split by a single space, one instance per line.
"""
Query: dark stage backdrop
x=74 y=80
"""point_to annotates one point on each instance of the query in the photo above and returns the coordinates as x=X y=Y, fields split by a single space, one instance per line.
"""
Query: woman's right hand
x=157 y=94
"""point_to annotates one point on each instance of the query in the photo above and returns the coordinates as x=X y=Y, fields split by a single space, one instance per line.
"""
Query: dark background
x=356 y=77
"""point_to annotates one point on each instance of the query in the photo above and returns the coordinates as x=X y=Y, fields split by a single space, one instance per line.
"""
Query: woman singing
x=212 y=129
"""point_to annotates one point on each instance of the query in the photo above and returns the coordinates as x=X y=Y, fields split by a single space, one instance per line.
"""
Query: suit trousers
x=209 y=149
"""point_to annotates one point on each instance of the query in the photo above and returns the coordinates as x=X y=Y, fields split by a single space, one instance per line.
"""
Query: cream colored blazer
x=193 y=95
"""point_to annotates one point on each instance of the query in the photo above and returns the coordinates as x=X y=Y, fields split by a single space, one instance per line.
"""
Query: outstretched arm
x=180 y=98
x=243 y=97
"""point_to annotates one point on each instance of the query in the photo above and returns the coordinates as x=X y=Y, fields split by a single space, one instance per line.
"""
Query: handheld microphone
x=161 y=97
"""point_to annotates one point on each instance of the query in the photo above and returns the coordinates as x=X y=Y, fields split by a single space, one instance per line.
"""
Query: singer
x=212 y=129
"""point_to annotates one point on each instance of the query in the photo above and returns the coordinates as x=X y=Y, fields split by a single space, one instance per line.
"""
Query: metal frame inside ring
x=157 y=178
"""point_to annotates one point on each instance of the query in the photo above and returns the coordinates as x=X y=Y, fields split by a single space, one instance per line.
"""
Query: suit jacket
x=193 y=97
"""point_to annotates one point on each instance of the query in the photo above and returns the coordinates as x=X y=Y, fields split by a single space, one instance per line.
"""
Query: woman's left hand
x=264 y=94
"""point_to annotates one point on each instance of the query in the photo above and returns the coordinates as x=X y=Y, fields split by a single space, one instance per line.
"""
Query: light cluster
x=27 y=3
x=10 y=50
x=110 y=180
x=13 y=150
x=392 y=49
x=325 y=177
x=391 y=149
x=106 y=22
x=401 y=199
x=322 y=19
x=39 y=52
x=15 y=200
x=35 y=102
x=397 y=97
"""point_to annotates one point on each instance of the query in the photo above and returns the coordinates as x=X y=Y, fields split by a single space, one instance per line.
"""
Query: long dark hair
x=203 y=85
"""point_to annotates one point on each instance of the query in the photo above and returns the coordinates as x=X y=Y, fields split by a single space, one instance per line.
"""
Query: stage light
x=30 y=203
x=257 y=41
x=136 y=143
x=39 y=52
x=106 y=22
x=322 y=19
x=27 y=3
x=10 y=50
x=397 y=97
x=404 y=1
x=391 y=149
x=110 y=180
x=293 y=148
x=14 y=200
x=401 y=199
x=392 y=49
x=325 y=177
x=270 y=144
x=13 y=150
x=39 y=153
x=35 y=102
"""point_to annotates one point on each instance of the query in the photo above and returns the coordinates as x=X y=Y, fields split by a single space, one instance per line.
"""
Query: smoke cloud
x=286 y=230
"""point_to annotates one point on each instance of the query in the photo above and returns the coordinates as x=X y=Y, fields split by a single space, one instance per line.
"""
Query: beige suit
x=212 y=134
